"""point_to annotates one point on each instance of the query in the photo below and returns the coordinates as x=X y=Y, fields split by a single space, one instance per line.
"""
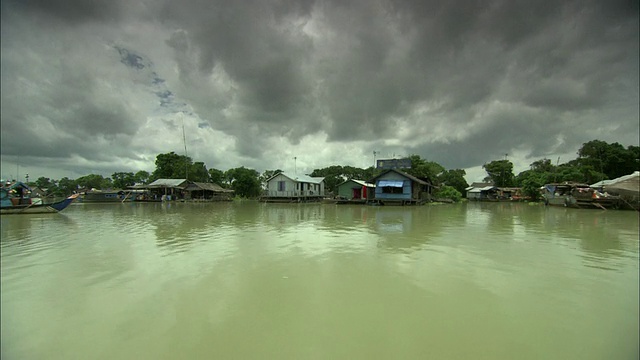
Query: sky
x=98 y=87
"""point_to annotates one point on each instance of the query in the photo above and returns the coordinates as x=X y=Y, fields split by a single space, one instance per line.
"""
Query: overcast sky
x=92 y=86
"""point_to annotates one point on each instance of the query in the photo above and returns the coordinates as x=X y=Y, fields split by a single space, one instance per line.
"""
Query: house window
x=391 y=190
x=281 y=185
x=391 y=186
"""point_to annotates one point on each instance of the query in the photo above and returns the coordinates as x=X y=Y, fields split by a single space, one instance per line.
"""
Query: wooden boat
x=100 y=196
x=580 y=196
x=14 y=199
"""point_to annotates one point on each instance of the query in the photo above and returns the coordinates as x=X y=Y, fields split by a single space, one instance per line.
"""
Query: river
x=247 y=280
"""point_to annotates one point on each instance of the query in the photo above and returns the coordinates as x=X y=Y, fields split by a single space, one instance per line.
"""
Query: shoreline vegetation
x=597 y=160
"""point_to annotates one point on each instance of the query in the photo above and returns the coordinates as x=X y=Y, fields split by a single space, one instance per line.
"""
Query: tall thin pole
x=295 y=170
x=184 y=140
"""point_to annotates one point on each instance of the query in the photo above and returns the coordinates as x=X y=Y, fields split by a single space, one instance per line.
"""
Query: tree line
x=597 y=160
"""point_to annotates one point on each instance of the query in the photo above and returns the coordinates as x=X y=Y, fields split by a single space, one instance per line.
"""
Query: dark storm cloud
x=460 y=82
x=71 y=10
x=356 y=70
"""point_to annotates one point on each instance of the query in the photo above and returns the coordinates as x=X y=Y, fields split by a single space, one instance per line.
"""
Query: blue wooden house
x=397 y=187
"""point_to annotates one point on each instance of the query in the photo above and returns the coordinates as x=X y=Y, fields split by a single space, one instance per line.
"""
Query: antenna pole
x=184 y=140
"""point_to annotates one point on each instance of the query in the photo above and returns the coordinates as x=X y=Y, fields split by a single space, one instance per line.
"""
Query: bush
x=448 y=192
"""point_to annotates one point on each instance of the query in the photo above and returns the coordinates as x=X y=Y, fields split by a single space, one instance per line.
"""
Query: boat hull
x=38 y=208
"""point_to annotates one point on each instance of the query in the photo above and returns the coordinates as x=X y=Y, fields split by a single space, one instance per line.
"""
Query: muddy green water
x=247 y=280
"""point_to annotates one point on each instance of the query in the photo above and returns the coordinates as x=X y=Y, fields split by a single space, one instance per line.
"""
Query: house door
x=356 y=193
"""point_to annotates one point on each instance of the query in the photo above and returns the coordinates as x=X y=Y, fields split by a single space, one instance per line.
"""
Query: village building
x=397 y=187
x=481 y=191
x=284 y=187
x=356 y=191
x=207 y=192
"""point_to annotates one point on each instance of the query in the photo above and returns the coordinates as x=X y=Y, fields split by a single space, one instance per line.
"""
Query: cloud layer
x=105 y=86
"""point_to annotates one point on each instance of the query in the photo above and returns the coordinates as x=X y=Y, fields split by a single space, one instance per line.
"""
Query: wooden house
x=207 y=192
x=479 y=190
x=397 y=187
x=356 y=190
x=284 y=187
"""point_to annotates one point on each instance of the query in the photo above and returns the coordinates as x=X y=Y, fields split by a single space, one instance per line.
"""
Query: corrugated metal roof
x=207 y=186
x=303 y=178
x=359 y=182
x=168 y=183
x=363 y=183
x=409 y=176
x=635 y=175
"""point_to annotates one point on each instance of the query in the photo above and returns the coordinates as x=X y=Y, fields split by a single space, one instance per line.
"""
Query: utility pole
x=184 y=140
x=295 y=171
x=374 y=158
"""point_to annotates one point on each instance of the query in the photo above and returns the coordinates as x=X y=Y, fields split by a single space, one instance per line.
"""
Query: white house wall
x=293 y=188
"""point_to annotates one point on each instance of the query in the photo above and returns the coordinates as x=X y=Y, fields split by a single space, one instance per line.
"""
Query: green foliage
x=93 y=181
x=217 y=177
x=335 y=175
x=245 y=182
x=596 y=160
x=171 y=166
x=198 y=172
x=500 y=173
x=608 y=160
x=44 y=183
x=448 y=192
x=142 y=177
x=122 y=180
x=531 y=181
x=65 y=187
x=425 y=170
x=454 y=178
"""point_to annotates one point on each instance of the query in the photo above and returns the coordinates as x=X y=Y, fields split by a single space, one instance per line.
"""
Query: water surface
x=313 y=281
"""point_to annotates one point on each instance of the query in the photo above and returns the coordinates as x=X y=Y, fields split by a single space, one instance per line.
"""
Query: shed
x=353 y=189
x=168 y=189
x=474 y=191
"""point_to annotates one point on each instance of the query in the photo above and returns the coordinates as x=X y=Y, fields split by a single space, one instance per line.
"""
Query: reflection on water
x=247 y=280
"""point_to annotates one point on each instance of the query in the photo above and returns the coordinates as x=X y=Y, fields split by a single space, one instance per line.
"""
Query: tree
x=66 y=187
x=198 y=172
x=500 y=172
x=609 y=160
x=333 y=176
x=142 y=177
x=531 y=181
x=93 y=181
x=217 y=177
x=425 y=170
x=122 y=180
x=245 y=182
x=44 y=182
x=171 y=166
x=542 y=165
x=454 y=178
x=448 y=192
